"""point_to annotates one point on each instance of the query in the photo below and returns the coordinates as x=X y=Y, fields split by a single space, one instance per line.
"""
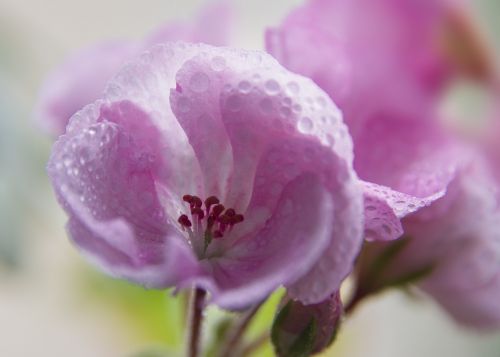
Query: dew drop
x=199 y=82
x=244 y=86
x=305 y=124
x=330 y=139
x=218 y=63
x=293 y=88
x=272 y=87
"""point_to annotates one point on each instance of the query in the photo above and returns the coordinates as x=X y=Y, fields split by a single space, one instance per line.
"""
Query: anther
x=184 y=221
x=217 y=210
x=199 y=212
x=224 y=219
x=230 y=212
x=212 y=200
x=237 y=218
x=196 y=201
x=218 y=218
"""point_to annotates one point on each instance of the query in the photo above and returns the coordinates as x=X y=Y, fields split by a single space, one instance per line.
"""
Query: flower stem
x=255 y=344
x=237 y=332
x=195 y=321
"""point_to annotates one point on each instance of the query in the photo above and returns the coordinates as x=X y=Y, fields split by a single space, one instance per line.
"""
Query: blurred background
x=51 y=302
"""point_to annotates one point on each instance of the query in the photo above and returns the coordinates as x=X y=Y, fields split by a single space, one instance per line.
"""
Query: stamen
x=230 y=212
x=217 y=210
x=212 y=200
x=237 y=219
x=184 y=221
x=199 y=212
x=214 y=212
x=196 y=201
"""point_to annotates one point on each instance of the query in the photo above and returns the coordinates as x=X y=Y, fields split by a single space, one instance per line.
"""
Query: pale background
x=45 y=306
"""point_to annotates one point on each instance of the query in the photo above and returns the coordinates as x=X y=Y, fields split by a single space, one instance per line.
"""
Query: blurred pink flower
x=185 y=128
x=407 y=164
x=459 y=237
x=81 y=79
x=369 y=56
x=381 y=63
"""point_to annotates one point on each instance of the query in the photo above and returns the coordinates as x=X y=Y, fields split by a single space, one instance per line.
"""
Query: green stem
x=254 y=345
x=195 y=321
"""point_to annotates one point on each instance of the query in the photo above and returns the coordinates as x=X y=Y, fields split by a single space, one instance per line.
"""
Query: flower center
x=209 y=219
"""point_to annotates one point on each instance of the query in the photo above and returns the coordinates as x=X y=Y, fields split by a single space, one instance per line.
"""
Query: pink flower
x=380 y=63
x=367 y=55
x=459 y=237
x=81 y=79
x=214 y=167
x=407 y=164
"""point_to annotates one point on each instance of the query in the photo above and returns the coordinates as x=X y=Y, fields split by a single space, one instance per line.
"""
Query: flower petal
x=384 y=209
x=274 y=119
x=284 y=249
x=104 y=177
x=410 y=155
x=195 y=103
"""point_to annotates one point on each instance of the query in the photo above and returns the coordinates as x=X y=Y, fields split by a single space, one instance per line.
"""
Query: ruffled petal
x=280 y=126
x=284 y=249
x=384 y=54
x=147 y=83
x=384 y=209
x=412 y=156
x=458 y=236
x=195 y=103
x=104 y=176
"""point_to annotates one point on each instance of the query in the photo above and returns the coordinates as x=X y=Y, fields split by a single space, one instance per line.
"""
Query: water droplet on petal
x=272 y=87
x=199 y=82
x=244 y=86
x=305 y=125
x=218 y=63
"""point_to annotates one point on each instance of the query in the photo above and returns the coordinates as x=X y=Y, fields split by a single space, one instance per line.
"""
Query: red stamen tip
x=230 y=212
x=187 y=198
x=224 y=219
x=196 y=201
x=198 y=211
x=212 y=200
x=184 y=221
x=237 y=219
x=217 y=210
